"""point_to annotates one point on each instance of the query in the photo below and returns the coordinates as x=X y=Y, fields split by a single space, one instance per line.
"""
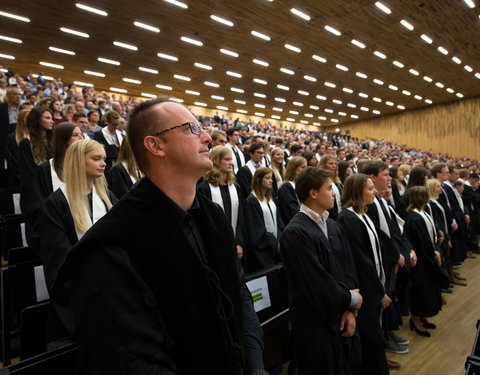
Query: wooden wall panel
x=452 y=128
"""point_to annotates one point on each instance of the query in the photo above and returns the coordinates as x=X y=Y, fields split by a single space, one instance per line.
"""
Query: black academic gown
x=372 y=290
x=144 y=300
x=57 y=236
x=261 y=246
x=425 y=296
x=111 y=151
x=204 y=188
x=287 y=202
x=459 y=237
x=334 y=211
x=119 y=180
x=318 y=294
x=11 y=156
x=471 y=200
x=244 y=179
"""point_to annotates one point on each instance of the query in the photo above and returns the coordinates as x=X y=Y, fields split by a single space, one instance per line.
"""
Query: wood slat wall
x=452 y=128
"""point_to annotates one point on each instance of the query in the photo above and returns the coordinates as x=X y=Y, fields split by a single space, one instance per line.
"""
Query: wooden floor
x=445 y=352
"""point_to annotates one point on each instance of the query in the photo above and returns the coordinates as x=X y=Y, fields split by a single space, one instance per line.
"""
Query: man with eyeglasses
x=157 y=287
x=245 y=174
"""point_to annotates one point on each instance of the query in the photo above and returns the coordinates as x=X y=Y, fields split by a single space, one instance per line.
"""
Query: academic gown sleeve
x=11 y=155
x=119 y=181
x=287 y=202
x=244 y=179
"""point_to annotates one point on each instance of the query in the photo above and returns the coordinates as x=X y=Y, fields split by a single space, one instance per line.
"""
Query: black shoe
x=446 y=290
x=428 y=324
x=414 y=327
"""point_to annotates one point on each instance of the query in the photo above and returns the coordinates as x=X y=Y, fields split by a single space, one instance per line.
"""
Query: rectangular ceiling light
x=80 y=83
x=126 y=46
x=330 y=84
x=319 y=58
x=167 y=57
x=398 y=63
x=203 y=66
x=148 y=70
x=240 y=101
x=195 y=42
x=182 y=78
x=321 y=97
x=402 y=107
x=241 y=111
x=201 y=104
x=378 y=82
x=346 y=89
x=257 y=94
x=460 y=95
x=50 y=65
x=259 y=114
x=236 y=89
x=277 y=109
x=442 y=50
x=211 y=84
x=228 y=52
x=216 y=97
x=8 y=57
x=293 y=112
x=260 y=35
x=305 y=93
x=451 y=91
x=14 y=16
x=358 y=44
x=418 y=97
x=470 y=3
x=351 y=105
x=390 y=104
x=163 y=87
x=276 y=117
x=407 y=93
x=428 y=101
x=221 y=20
x=383 y=7
x=393 y=87
x=146 y=27
x=414 y=72
x=260 y=62
x=191 y=92
x=123 y=91
x=341 y=67
x=234 y=74
x=336 y=101
x=108 y=61
x=287 y=71
x=363 y=95
x=91 y=9
x=147 y=95
x=261 y=81
x=131 y=80
x=354 y=116
x=292 y=48
x=456 y=60
x=332 y=30
x=259 y=105
x=97 y=74
x=8 y=39
x=310 y=78
x=281 y=100
x=177 y=3
x=378 y=100
x=380 y=54
x=300 y=14
x=61 y=50
x=74 y=32
x=407 y=25
x=361 y=75
x=315 y=107
x=426 y=38
x=282 y=87
x=223 y=108
x=440 y=85
x=308 y=115
x=427 y=78
x=468 y=68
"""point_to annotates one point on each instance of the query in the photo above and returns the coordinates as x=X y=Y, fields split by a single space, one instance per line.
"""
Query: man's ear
x=312 y=193
x=154 y=145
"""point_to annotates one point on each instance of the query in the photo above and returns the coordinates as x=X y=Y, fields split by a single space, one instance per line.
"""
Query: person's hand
x=413 y=258
x=450 y=244
x=441 y=237
x=401 y=261
x=467 y=219
x=348 y=323
x=438 y=257
x=240 y=251
x=386 y=301
x=454 y=227
x=360 y=299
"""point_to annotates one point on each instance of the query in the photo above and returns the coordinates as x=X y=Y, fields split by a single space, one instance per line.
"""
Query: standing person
x=220 y=187
x=124 y=172
x=278 y=169
x=111 y=137
x=245 y=174
x=171 y=298
x=9 y=111
x=367 y=254
x=329 y=163
x=93 y=117
x=323 y=305
x=238 y=155
x=57 y=111
x=425 y=297
x=263 y=223
x=288 y=203
x=65 y=217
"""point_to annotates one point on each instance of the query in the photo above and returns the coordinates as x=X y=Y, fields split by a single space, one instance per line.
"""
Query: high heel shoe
x=428 y=324
x=414 y=327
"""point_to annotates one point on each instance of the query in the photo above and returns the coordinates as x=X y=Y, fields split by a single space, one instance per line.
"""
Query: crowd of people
x=147 y=218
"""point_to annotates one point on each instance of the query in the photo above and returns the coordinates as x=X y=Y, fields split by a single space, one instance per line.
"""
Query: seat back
x=20 y=254
x=33 y=324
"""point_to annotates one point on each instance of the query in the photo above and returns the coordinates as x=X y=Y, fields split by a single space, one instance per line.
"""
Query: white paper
x=259 y=290
x=16 y=203
x=40 y=284
x=24 y=236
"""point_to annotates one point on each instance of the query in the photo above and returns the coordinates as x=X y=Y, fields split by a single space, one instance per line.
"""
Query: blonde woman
x=220 y=187
x=11 y=150
x=65 y=217
x=263 y=224
x=278 y=168
x=288 y=203
x=124 y=172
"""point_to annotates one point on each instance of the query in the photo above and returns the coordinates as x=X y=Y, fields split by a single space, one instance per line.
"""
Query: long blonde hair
x=293 y=164
x=76 y=183
x=213 y=176
x=323 y=162
x=277 y=172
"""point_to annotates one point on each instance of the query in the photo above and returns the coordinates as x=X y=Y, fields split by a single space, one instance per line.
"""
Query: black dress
x=287 y=202
x=119 y=180
x=425 y=296
x=372 y=290
x=318 y=292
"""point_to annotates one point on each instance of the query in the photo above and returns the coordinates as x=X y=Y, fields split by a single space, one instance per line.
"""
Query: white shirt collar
x=313 y=215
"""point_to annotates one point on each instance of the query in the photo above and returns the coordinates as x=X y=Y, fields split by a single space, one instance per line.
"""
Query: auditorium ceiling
x=311 y=61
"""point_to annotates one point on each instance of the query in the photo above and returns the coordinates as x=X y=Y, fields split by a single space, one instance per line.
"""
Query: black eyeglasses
x=195 y=128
